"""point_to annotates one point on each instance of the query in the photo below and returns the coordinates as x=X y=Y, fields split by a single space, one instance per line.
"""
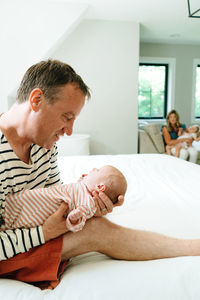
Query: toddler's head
x=107 y=179
x=193 y=129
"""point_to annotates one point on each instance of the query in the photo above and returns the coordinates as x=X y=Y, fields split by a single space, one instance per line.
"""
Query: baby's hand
x=75 y=216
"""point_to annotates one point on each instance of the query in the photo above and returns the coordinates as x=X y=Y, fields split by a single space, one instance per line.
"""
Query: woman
x=170 y=135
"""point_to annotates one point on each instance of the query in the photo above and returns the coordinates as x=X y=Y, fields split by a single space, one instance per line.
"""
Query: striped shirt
x=15 y=176
x=30 y=208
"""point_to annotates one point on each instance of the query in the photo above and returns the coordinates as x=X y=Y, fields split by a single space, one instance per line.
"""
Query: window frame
x=166 y=65
x=196 y=62
x=171 y=82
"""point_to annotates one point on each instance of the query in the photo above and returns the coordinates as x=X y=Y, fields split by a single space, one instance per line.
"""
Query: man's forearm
x=13 y=242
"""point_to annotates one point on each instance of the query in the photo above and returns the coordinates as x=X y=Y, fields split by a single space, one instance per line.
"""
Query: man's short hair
x=49 y=76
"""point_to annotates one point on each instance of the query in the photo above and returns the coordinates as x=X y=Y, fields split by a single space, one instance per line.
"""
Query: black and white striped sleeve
x=54 y=177
x=13 y=242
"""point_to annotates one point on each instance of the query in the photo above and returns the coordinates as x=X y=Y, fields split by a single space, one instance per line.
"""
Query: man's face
x=51 y=121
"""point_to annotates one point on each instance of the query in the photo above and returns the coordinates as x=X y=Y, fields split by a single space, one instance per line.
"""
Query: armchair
x=150 y=140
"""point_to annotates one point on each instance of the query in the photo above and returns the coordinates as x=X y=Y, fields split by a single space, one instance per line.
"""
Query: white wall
x=184 y=55
x=30 y=30
x=106 y=55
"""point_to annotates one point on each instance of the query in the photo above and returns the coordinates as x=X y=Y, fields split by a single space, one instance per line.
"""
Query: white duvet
x=163 y=196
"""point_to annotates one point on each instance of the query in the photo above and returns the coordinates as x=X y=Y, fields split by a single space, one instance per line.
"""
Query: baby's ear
x=101 y=187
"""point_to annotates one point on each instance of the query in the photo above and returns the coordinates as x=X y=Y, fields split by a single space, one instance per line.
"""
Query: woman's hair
x=177 y=124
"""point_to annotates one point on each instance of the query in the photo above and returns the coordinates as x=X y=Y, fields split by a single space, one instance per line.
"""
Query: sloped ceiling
x=161 y=21
x=29 y=31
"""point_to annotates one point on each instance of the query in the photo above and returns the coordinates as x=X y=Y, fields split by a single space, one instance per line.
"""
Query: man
x=49 y=99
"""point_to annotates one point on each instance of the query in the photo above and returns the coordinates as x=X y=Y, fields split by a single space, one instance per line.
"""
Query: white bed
x=163 y=196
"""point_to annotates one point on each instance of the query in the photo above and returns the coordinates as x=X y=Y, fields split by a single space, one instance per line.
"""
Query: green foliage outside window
x=197 y=93
x=152 y=93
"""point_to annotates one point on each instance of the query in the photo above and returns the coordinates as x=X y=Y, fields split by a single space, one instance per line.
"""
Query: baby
x=30 y=208
x=190 y=133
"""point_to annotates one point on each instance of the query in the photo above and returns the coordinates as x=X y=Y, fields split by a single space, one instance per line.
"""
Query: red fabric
x=40 y=266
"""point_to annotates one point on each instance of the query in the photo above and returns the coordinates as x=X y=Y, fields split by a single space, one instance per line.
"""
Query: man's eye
x=67 y=119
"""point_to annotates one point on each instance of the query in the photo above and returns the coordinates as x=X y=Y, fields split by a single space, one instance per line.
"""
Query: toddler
x=30 y=208
x=190 y=133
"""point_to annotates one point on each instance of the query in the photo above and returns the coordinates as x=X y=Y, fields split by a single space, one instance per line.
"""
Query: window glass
x=153 y=80
x=197 y=93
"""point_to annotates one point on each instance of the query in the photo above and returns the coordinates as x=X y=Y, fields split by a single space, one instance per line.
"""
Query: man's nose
x=68 y=131
x=69 y=128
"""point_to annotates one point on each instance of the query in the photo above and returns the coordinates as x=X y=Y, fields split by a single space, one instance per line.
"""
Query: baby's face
x=192 y=129
x=96 y=177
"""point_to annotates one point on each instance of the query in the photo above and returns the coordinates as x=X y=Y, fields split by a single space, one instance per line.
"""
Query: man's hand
x=104 y=204
x=55 y=225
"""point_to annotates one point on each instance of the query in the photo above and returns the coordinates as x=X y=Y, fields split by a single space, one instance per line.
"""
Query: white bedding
x=163 y=196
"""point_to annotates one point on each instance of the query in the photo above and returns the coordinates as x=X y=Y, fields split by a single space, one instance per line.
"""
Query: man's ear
x=35 y=99
x=101 y=187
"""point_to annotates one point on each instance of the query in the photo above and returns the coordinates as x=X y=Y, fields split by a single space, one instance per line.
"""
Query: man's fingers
x=98 y=201
x=98 y=211
x=104 y=204
x=55 y=225
x=106 y=201
x=120 y=201
x=62 y=210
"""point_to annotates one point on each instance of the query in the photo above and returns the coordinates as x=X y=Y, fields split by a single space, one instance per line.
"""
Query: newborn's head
x=107 y=179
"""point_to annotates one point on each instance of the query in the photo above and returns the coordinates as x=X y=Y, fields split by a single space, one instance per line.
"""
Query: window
x=153 y=87
x=197 y=94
